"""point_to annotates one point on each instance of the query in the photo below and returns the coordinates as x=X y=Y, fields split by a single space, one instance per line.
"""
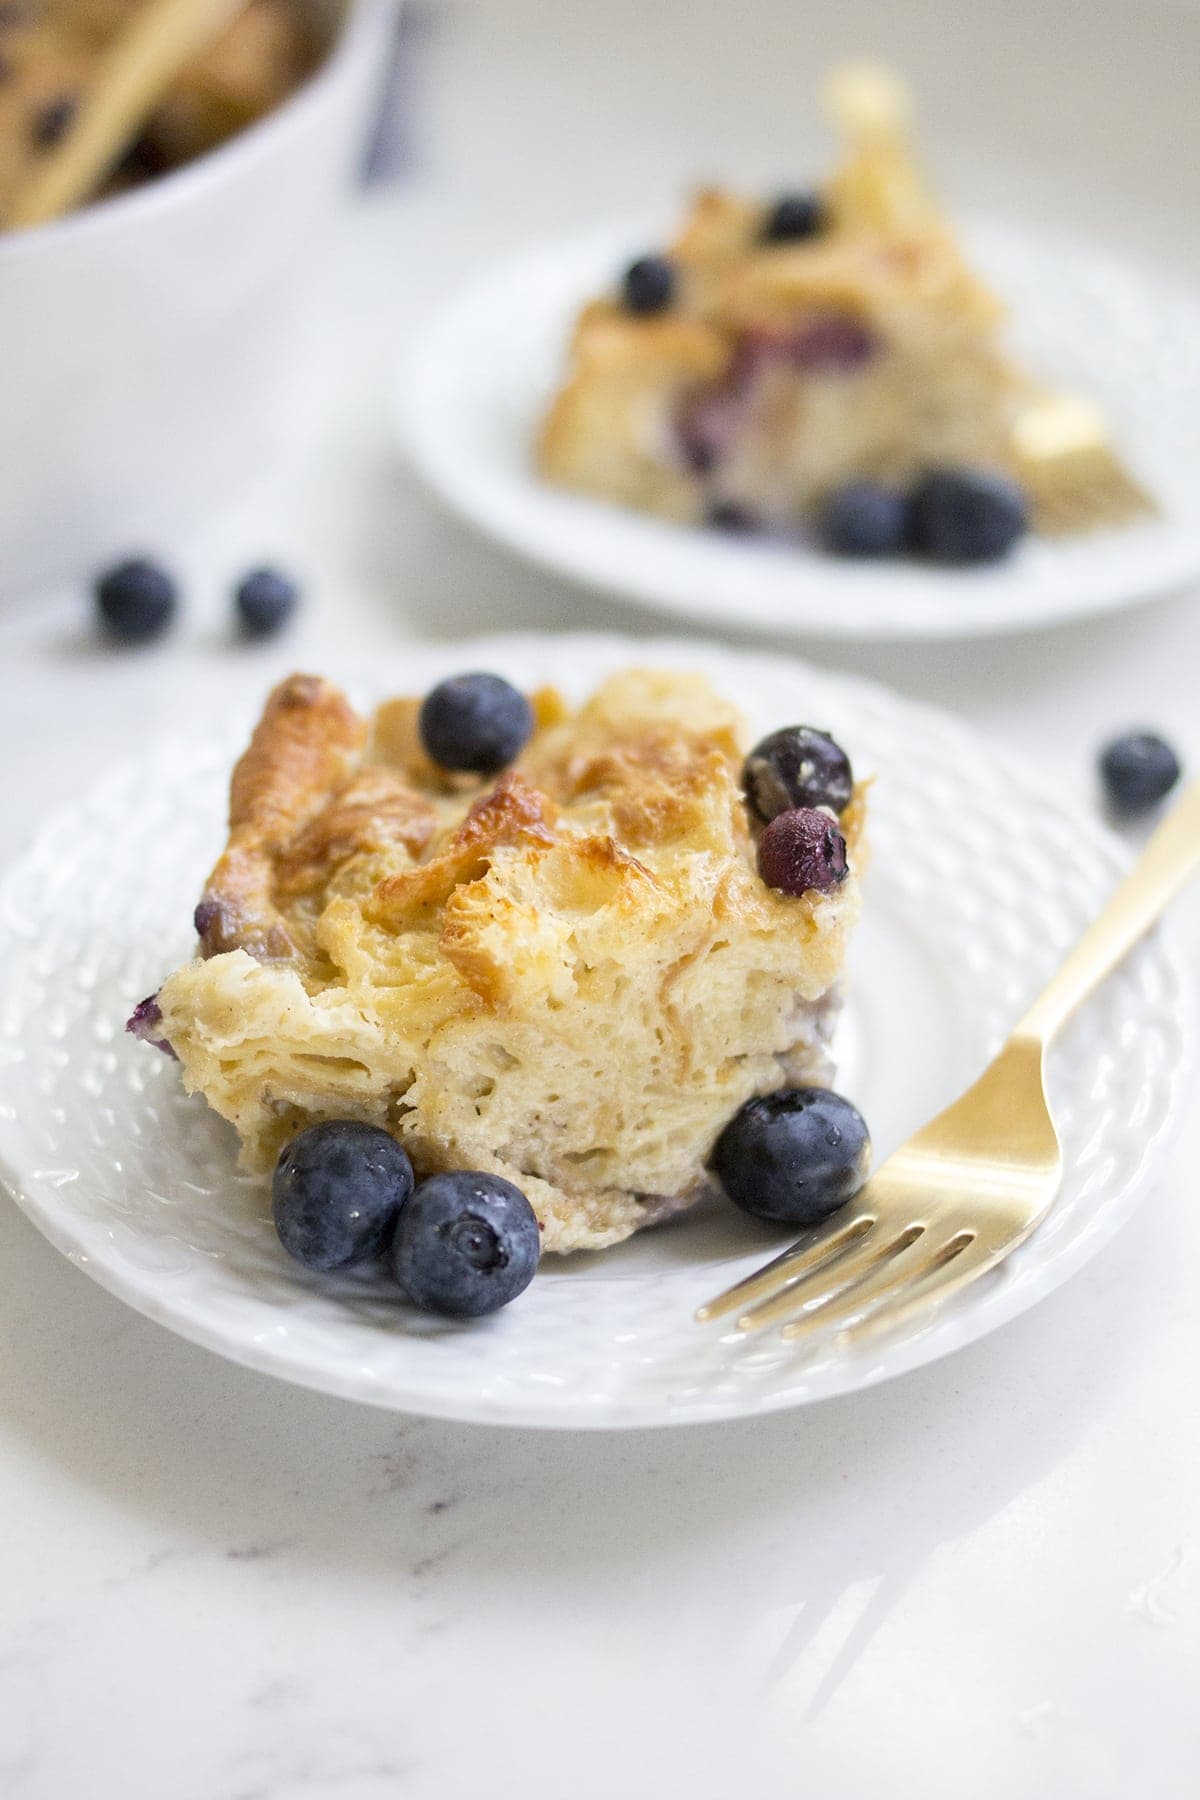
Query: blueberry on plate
x=793 y=218
x=475 y=722
x=802 y=852
x=466 y=1244
x=967 y=516
x=264 y=600
x=338 y=1190
x=648 y=285
x=864 y=519
x=136 y=601
x=793 y=1156
x=1138 y=770
x=798 y=766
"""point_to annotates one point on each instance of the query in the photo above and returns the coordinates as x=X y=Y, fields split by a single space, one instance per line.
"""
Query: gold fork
x=972 y=1184
x=1066 y=461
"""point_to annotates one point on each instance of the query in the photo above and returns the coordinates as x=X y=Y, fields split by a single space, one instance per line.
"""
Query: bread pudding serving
x=562 y=947
x=826 y=361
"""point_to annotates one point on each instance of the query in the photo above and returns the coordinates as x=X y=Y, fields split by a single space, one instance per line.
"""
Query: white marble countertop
x=981 y=1580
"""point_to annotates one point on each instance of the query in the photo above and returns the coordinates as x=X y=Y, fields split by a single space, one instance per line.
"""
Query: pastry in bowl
x=565 y=957
x=828 y=361
x=52 y=50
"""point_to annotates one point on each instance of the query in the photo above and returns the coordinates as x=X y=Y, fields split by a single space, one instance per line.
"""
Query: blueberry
x=798 y=766
x=802 y=852
x=794 y=216
x=337 y=1193
x=143 y=1023
x=1138 y=769
x=54 y=120
x=731 y=516
x=864 y=519
x=466 y=1244
x=477 y=722
x=794 y=1156
x=967 y=516
x=136 y=600
x=265 y=601
x=648 y=285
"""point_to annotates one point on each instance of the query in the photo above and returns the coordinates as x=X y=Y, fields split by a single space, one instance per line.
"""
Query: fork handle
x=1171 y=856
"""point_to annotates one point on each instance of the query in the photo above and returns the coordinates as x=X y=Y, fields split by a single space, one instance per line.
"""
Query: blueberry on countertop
x=793 y=217
x=475 y=722
x=798 y=766
x=648 y=285
x=1138 y=770
x=265 y=600
x=864 y=519
x=466 y=1244
x=338 y=1190
x=793 y=1156
x=967 y=516
x=802 y=852
x=136 y=600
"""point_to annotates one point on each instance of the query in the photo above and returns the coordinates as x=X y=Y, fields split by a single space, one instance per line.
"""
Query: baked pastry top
x=49 y=50
x=570 y=975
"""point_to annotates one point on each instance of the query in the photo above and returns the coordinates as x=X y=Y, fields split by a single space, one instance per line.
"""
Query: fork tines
x=854 y=1274
x=1075 y=479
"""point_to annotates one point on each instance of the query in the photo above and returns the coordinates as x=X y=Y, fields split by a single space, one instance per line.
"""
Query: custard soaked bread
x=569 y=973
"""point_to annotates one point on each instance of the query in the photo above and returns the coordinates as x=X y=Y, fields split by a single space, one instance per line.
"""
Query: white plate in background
x=471 y=394
x=979 y=881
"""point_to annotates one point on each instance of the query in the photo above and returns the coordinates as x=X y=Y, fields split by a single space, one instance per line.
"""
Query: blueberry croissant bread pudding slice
x=558 y=948
x=827 y=362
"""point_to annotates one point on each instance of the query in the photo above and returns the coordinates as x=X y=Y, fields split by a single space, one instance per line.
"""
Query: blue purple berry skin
x=54 y=120
x=338 y=1190
x=1138 y=769
x=732 y=517
x=793 y=218
x=802 y=852
x=797 y=766
x=143 y=1023
x=466 y=1244
x=475 y=722
x=967 y=516
x=795 y=1156
x=264 y=601
x=648 y=285
x=866 y=520
x=136 y=601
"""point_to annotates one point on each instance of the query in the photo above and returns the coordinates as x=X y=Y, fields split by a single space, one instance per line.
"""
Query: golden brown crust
x=510 y=812
x=306 y=745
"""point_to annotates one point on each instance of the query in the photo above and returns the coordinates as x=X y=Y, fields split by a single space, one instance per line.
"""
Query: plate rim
x=415 y=401
x=68 y=1231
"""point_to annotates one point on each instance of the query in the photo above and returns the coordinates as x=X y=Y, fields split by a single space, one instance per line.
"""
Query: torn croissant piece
x=570 y=974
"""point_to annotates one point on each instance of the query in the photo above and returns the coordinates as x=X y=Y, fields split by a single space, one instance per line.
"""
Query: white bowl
x=153 y=343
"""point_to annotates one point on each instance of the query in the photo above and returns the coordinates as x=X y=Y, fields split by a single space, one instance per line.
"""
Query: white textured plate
x=1083 y=319
x=980 y=878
